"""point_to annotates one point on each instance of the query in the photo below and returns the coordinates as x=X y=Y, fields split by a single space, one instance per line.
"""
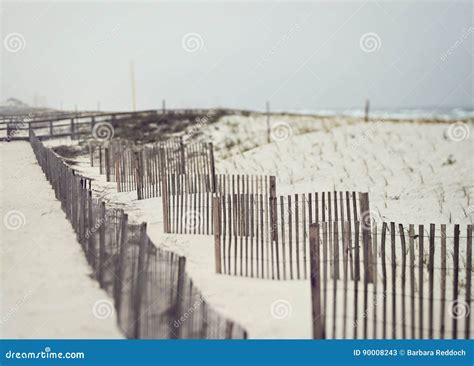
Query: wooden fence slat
x=420 y=279
x=394 y=281
x=314 y=245
x=335 y=279
x=455 y=282
x=411 y=234
x=443 y=282
x=375 y=278
x=346 y=236
x=431 y=279
x=384 y=281
x=403 y=299
x=467 y=327
x=217 y=234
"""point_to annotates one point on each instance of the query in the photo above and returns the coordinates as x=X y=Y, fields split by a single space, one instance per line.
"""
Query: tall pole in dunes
x=367 y=106
x=268 y=122
x=132 y=80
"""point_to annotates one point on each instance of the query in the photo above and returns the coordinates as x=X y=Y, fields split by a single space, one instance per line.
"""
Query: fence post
x=212 y=166
x=164 y=192
x=107 y=164
x=92 y=123
x=216 y=218
x=268 y=122
x=121 y=270
x=366 y=225
x=90 y=233
x=102 y=243
x=273 y=209
x=314 y=246
x=72 y=129
x=467 y=327
x=91 y=153
x=8 y=131
x=51 y=127
x=176 y=311
x=367 y=106
x=182 y=156
x=138 y=175
x=455 y=278
x=141 y=277
x=229 y=327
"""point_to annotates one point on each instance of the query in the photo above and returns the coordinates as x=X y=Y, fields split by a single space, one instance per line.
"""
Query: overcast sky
x=298 y=55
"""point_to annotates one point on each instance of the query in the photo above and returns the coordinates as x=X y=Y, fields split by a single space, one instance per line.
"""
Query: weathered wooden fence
x=153 y=295
x=71 y=125
x=187 y=199
x=143 y=168
x=265 y=236
x=414 y=283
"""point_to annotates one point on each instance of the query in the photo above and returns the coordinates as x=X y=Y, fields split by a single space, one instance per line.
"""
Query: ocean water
x=415 y=113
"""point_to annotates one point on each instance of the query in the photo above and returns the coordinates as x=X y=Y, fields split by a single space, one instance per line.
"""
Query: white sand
x=46 y=288
x=322 y=155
